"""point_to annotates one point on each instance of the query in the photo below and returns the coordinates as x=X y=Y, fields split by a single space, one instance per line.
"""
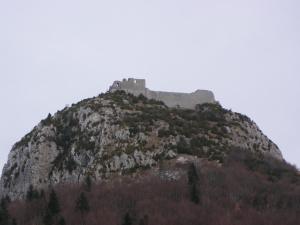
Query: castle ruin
x=171 y=99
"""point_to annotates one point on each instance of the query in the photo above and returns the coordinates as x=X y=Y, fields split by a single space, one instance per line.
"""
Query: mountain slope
x=245 y=190
x=118 y=133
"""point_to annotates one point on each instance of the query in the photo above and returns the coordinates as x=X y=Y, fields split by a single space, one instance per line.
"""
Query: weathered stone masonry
x=171 y=99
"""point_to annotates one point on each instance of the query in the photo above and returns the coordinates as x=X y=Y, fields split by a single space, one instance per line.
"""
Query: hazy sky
x=57 y=52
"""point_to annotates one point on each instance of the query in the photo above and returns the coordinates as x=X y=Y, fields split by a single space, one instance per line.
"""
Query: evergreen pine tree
x=42 y=194
x=48 y=218
x=52 y=210
x=61 y=221
x=192 y=174
x=53 y=204
x=144 y=220
x=82 y=204
x=194 y=193
x=32 y=194
x=127 y=219
x=4 y=215
x=193 y=184
x=88 y=183
x=14 y=222
x=7 y=200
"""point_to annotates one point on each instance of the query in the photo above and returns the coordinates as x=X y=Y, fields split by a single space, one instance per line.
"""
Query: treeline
x=245 y=190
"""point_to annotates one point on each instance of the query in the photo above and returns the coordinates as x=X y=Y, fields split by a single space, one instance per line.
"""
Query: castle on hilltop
x=171 y=99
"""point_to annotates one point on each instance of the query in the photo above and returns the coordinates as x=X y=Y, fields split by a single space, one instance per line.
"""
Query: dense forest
x=246 y=189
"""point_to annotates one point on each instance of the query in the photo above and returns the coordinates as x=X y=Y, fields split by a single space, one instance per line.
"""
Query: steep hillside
x=118 y=133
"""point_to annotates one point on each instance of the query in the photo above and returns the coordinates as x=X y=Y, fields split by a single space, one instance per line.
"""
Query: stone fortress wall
x=171 y=99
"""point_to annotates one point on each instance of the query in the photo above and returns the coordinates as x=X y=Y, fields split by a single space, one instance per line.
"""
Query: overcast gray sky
x=57 y=52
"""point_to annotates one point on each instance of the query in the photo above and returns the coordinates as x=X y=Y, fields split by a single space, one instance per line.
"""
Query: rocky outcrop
x=118 y=133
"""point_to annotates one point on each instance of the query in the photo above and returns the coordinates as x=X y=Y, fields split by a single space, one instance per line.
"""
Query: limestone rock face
x=118 y=133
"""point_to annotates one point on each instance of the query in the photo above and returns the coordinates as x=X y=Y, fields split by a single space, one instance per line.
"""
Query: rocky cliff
x=118 y=133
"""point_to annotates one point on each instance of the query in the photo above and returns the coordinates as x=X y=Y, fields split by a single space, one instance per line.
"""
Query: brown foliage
x=231 y=195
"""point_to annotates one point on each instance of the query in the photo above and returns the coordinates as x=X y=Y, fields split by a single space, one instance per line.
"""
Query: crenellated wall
x=171 y=99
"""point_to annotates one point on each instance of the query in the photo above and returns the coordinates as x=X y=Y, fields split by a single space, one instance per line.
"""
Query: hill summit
x=119 y=133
